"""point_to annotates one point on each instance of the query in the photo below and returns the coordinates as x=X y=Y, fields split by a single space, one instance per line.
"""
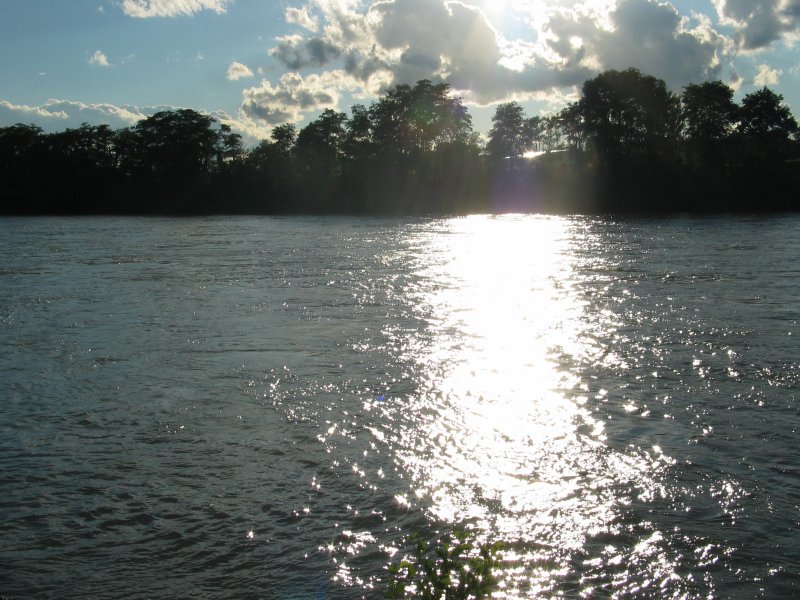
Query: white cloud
x=20 y=112
x=237 y=71
x=294 y=95
x=99 y=59
x=347 y=23
x=144 y=9
x=302 y=17
x=766 y=75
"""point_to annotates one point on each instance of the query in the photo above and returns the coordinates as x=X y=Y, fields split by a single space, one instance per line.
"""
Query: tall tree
x=763 y=115
x=709 y=111
x=176 y=145
x=319 y=144
x=632 y=126
x=709 y=119
x=18 y=145
x=318 y=151
x=767 y=153
x=358 y=144
x=533 y=133
x=229 y=145
x=409 y=120
x=22 y=158
x=572 y=126
x=271 y=167
x=626 y=112
x=284 y=137
x=507 y=137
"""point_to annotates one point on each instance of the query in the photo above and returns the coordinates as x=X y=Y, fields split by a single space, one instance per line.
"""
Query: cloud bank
x=57 y=115
x=370 y=45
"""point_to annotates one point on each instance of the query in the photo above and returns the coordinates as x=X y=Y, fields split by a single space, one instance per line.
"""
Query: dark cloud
x=419 y=24
x=298 y=53
x=423 y=60
x=650 y=36
x=363 y=67
x=271 y=115
x=760 y=23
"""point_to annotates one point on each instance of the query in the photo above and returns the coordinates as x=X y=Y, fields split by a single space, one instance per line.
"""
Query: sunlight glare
x=500 y=437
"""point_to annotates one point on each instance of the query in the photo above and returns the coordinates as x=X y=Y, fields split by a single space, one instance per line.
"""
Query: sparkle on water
x=270 y=406
x=500 y=438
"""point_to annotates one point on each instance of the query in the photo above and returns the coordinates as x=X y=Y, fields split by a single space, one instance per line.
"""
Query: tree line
x=629 y=144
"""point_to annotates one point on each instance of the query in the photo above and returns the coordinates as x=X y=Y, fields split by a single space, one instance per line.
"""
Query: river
x=261 y=407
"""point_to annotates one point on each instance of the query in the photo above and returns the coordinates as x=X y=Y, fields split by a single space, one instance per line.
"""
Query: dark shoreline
x=629 y=146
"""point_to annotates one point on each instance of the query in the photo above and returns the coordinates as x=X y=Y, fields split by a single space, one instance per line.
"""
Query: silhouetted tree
x=573 y=131
x=22 y=164
x=409 y=120
x=82 y=167
x=318 y=151
x=629 y=144
x=709 y=119
x=626 y=112
x=176 y=145
x=358 y=158
x=229 y=146
x=17 y=142
x=709 y=112
x=766 y=172
x=358 y=144
x=533 y=133
x=407 y=125
x=552 y=133
x=632 y=123
x=507 y=137
x=271 y=166
x=764 y=117
x=284 y=137
x=319 y=144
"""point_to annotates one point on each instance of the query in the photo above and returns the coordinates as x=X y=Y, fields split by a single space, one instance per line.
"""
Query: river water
x=268 y=407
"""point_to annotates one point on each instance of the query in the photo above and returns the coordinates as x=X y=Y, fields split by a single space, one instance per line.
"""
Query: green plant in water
x=454 y=569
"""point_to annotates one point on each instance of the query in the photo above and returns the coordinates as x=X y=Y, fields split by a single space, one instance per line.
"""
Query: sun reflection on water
x=500 y=435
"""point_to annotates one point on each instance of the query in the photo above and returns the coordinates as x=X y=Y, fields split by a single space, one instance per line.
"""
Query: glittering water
x=266 y=408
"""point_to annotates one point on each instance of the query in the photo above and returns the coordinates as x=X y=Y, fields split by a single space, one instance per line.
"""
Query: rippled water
x=266 y=408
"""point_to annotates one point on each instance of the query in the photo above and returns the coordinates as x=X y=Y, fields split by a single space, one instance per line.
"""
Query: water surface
x=266 y=408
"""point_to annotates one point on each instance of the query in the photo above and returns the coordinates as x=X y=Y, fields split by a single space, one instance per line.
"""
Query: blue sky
x=255 y=64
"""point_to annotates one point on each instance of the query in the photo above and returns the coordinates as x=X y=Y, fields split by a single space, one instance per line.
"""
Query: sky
x=255 y=64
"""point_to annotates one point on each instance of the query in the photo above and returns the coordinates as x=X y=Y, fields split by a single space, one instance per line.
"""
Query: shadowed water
x=265 y=408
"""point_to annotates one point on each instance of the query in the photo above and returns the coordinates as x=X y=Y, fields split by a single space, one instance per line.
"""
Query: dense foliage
x=627 y=145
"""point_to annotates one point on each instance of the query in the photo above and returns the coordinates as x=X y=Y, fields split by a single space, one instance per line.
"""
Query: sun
x=495 y=10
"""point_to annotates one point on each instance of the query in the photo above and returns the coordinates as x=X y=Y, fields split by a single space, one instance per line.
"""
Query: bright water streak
x=267 y=407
